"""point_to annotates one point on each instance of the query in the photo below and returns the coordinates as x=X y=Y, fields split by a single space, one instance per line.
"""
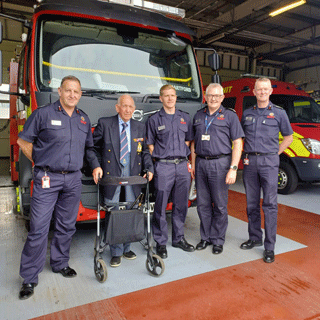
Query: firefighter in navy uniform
x=169 y=133
x=56 y=138
x=215 y=164
x=262 y=124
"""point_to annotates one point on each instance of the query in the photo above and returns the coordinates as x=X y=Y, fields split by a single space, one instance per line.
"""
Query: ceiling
x=240 y=27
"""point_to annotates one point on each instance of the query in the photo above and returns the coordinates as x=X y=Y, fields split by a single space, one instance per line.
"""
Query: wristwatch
x=234 y=168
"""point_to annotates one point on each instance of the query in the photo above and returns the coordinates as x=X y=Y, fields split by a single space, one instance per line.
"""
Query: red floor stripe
x=289 y=288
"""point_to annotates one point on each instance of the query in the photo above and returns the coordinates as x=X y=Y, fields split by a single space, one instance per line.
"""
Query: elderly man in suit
x=122 y=145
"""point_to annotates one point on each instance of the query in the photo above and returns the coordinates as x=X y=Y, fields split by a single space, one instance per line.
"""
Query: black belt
x=174 y=160
x=53 y=171
x=260 y=153
x=213 y=157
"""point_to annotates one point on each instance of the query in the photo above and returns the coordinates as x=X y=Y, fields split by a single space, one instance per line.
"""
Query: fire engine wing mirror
x=216 y=78
x=214 y=61
x=25 y=98
x=157 y=60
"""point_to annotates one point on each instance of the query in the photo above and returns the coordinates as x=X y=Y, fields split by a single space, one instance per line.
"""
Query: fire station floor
x=235 y=285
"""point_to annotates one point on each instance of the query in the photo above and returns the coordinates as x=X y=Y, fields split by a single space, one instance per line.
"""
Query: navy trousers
x=262 y=173
x=175 y=178
x=212 y=198
x=62 y=199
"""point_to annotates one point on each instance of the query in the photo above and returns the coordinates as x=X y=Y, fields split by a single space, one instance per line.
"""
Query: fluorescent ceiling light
x=215 y=38
x=287 y=7
x=292 y=50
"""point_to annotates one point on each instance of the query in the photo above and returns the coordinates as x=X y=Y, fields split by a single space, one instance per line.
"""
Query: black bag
x=125 y=226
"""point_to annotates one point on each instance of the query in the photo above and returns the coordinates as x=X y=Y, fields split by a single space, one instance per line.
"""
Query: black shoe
x=217 y=249
x=184 y=245
x=202 y=244
x=130 y=255
x=268 y=256
x=162 y=251
x=250 y=244
x=26 y=290
x=67 y=272
x=115 y=262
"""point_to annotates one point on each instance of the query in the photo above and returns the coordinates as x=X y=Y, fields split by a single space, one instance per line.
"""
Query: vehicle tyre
x=288 y=179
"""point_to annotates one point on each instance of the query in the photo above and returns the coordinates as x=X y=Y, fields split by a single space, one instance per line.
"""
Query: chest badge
x=83 y=120
x=139 y=147
x=182 y=121
x=221 y=117
x=271 y=115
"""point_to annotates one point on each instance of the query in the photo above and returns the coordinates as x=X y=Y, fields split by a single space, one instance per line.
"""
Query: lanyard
x=206 y=121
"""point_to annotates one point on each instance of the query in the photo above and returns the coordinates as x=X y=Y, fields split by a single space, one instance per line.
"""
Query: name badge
x=161 y=128
x=205 y=137
x=45 y=182
x=56 y=122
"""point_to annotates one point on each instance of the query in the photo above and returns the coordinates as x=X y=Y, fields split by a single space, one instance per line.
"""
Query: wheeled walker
x=127 y=225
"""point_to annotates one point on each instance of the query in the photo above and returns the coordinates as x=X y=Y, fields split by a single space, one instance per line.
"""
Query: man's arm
x=151 y=148
x=236 y=155
x=287 y=140
x=193 y=160
x=26 y=148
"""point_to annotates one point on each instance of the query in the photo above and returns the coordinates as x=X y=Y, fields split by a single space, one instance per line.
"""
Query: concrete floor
x=198 y=285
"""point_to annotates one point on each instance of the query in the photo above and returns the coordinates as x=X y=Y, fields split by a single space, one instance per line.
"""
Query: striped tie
x=124 y=149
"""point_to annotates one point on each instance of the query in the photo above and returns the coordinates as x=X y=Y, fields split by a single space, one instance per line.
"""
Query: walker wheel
x=100 y=270
x=156 y=266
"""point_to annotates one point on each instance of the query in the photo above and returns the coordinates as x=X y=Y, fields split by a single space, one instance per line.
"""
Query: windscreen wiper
x=97 y=92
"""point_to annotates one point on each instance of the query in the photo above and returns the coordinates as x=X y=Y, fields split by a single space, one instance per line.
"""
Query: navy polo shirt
x=224 y=128
x=59 y=141
x=262 y=127
x=168 y=134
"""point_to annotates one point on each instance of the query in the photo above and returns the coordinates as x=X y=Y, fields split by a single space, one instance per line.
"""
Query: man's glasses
x=214 y=96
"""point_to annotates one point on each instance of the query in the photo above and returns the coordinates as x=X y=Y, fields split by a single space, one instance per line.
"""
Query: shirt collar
x=121 y=122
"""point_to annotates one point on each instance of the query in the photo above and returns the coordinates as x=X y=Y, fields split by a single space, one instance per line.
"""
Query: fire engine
x=113 y=47
x=301 y=161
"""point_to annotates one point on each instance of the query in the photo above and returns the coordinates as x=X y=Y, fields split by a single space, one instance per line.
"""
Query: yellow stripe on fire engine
x=115 y=73
x=296 y=148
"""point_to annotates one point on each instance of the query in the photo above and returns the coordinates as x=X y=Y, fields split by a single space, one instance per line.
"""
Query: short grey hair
x=214 y=85
x=263 y=79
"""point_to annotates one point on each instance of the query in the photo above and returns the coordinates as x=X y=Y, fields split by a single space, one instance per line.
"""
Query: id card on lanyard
x=45 y=181
x=206 y=136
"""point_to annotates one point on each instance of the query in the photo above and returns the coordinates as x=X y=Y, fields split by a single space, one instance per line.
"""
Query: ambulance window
x=249 y=102
x=229 y=102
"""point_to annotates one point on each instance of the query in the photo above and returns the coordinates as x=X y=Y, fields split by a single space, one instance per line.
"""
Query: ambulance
x=301 y=161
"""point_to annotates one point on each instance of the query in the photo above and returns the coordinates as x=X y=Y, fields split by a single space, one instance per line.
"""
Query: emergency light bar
x=181 y=13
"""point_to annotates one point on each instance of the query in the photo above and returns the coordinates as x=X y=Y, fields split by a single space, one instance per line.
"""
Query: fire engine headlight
x=312 y=145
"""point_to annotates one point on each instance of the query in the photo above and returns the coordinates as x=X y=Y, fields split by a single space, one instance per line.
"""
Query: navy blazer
x=106 y=138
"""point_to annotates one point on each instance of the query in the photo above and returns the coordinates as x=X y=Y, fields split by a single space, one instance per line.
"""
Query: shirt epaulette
x=182 y=111
x=45 y=105
x=231 y=109
x=202 y=109
x=278 y=107
x=82 y=112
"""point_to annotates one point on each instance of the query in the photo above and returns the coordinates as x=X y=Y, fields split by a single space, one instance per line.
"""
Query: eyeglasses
x=263 y=90
x=214 y=96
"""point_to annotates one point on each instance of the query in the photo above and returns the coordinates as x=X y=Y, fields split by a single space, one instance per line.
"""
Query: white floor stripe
x=55 y=293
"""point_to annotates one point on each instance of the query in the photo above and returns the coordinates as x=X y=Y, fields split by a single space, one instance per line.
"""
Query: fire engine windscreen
x=116 y=58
